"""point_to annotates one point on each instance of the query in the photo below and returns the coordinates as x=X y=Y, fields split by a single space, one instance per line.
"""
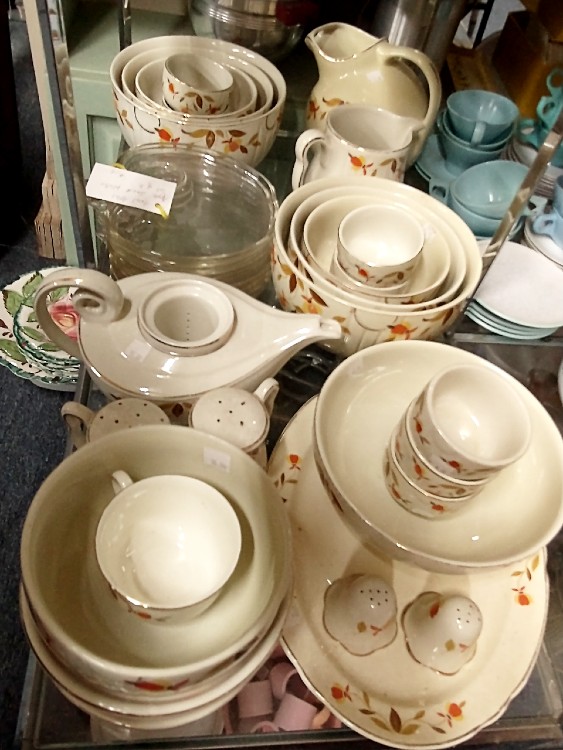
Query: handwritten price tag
x=130 y=189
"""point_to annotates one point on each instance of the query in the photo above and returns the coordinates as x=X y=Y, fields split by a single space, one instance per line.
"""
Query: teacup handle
x=97 y=298
x=478 y=133
x=439 y=190
x=555 y=89
x=267 y=392
x=303 y=144
x=430 y=73
x=120 y=480
x=78 y=419
x=548 y=107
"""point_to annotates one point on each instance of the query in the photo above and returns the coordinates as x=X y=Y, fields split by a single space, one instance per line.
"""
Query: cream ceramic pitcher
x=356 y=67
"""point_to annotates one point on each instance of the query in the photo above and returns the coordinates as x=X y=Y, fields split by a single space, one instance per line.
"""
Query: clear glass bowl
x=220 y=224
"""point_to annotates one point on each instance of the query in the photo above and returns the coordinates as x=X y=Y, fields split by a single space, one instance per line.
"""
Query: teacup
x=481 y=117
x=534 y=132
x=410 y=495
x=489 y=188
x=360 y=140
x=421 y=473
x=549 y=107
x=167 y=545
x=469 y=422
x=196 y=84
x=461 y=154
x=379 y=245
x=86 y=425
x=551 y=224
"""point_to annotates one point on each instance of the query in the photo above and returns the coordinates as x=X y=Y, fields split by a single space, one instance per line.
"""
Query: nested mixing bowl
x=82 y=625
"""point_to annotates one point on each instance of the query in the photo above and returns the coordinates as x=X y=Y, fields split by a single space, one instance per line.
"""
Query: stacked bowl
x=140 y=666
x=220 y=225
x=306 y=278
x=471 y=421
x=246 y=128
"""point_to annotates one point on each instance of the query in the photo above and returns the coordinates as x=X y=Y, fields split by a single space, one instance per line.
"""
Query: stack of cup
x=456 y=435
x=475 y=126
x=533 y=131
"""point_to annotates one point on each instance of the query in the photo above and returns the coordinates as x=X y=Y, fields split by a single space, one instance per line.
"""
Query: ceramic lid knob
x=233 y=414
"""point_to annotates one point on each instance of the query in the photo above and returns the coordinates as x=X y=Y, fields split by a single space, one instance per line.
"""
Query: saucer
x=524 y=287
x=499 y=325
x=387 y=696
x=432 y=165
x=366 y=396
x=15 y=295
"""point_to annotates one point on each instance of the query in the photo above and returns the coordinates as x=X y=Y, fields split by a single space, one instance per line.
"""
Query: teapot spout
x=306 y=329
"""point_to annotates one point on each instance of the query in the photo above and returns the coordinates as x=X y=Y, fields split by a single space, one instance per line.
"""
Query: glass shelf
x=533 y=720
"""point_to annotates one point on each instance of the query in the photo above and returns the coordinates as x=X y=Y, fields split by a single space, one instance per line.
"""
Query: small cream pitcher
x=356 y=67
x=359 y=140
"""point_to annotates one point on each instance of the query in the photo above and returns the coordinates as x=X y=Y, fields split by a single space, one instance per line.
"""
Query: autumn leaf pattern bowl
x=121 y=654
x=245 y=136
x=366 y=395
x=316 y=224
x=365 y=321
x=389 y=696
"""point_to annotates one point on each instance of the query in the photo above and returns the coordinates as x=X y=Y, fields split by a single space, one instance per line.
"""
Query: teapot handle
x=430 y=73
x=98 y=299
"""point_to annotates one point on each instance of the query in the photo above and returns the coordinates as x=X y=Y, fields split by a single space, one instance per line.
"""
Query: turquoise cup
x=480 y=117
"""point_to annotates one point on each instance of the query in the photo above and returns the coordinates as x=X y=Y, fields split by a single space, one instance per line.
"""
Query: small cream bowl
x=416 y=468
x=469 y=422
x=379 y=245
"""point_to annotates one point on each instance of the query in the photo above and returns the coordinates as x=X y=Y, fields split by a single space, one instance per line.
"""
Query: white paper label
x=219 y=459
x=118 y=185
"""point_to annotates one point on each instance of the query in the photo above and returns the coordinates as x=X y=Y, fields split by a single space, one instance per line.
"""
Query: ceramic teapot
x=170 y=337
x=356 y=67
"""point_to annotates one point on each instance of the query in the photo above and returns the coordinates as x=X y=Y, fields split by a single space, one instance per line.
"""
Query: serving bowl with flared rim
x=457 y=267
x=248 y=138
x=364 y=325
x=312 y=237
x=496 y=528
x=86 y=629
x=153 y=704
x=250 y=81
